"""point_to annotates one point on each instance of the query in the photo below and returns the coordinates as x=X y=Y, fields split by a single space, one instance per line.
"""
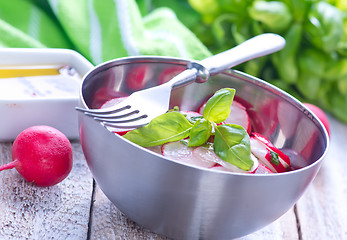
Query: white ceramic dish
x=19 y=113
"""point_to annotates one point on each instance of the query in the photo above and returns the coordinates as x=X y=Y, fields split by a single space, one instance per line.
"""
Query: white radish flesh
x=182 y=153
x=190 y=115
x=112 y=102
x=238 y=115
x=262 y=169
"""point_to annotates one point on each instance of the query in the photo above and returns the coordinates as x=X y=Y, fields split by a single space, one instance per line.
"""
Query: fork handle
x=255 y=47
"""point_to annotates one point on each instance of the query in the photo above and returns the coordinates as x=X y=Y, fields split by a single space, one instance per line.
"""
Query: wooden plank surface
x=57 y=212
x=63 y=211
x=322 y=211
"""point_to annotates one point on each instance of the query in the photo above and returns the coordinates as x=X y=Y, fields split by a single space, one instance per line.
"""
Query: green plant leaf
x=324 y=27
x=275 y=15
x=286 y=59
x=232 y=144
x=200 y=133
x=168 y=127
x=217 y=108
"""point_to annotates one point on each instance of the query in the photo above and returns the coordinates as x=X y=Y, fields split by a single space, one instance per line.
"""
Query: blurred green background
x=312 y=66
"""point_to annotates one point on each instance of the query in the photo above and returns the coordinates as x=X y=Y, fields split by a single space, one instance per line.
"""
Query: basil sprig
x=231 y=142
x=217 y=108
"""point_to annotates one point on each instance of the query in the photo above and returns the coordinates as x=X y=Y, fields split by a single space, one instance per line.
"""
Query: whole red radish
x=42 y=155
x=320 y=114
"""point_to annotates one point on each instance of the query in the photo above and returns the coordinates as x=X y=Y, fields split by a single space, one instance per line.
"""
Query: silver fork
x=142 y=106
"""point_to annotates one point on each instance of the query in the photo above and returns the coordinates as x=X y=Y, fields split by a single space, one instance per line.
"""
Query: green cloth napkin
x=100 y=30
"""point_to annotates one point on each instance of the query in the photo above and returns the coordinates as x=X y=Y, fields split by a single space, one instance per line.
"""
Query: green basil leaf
x=174 y=109
x=217 y=108
x=286 y=59
x=168 y=127
x=220 y=28
x=232 y=144
x=200 y=133
x=324 y=28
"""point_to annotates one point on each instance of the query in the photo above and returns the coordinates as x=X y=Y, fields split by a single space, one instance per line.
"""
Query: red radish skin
x=261 y=148
x=271 y=146
x=280 y=167
x=320 y=114
x=42 y=155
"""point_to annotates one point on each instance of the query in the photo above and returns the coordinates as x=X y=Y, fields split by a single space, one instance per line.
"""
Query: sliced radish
x=156 y=149
x=120 y=131
x=262 y=169
x=263 y=148
x=110 y=103
x=209 y=155
x=267 y=121
x=181 y=152
x=206 y=155
x=238 y=115
x=176 y=150
x=191 y=115
x=103 y=94
x=272 y=147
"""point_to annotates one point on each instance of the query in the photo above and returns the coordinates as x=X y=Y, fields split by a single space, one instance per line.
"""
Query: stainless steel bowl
x=186 y=202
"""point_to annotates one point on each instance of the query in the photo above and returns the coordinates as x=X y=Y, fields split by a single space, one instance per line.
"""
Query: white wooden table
x=77 y=209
